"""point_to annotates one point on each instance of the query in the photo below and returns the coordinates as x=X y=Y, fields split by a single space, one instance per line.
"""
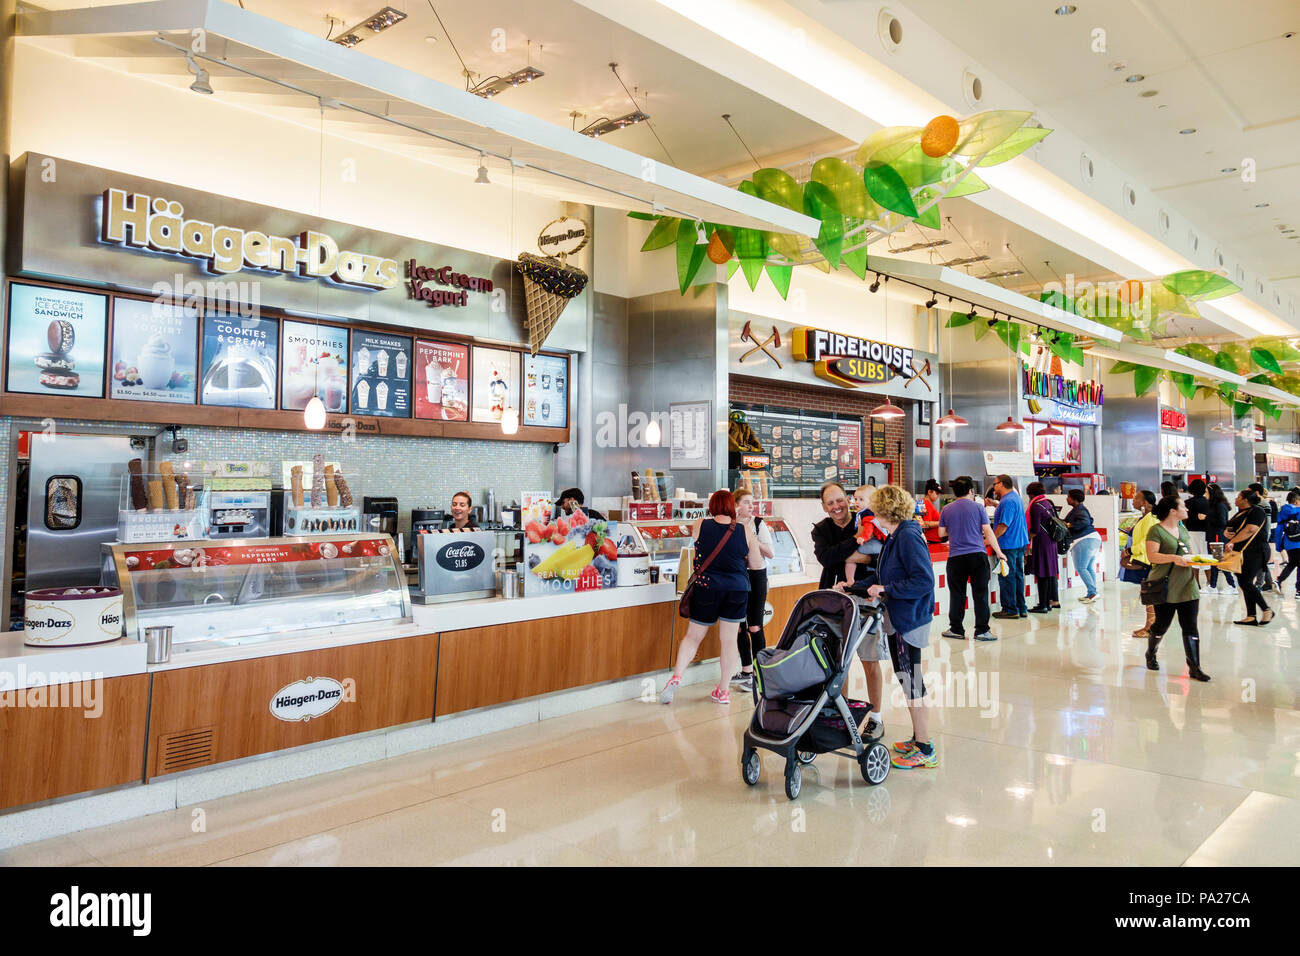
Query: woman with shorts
x=720 y=593
x=753 y=640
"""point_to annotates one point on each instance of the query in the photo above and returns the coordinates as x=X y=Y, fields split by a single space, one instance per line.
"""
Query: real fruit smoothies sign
x=847 y=360
x=135 y=220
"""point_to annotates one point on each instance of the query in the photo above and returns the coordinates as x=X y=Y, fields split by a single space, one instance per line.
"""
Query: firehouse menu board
x=807 y=450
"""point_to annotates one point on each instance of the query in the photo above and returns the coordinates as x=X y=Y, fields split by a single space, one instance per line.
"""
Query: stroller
x=818 y=719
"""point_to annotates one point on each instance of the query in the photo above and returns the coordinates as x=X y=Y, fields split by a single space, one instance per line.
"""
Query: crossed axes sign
x=917 y=373
x=774 y=340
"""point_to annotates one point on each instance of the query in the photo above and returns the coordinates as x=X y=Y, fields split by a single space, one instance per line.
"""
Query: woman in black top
x=1245 y=533
x=833 y=537
x=1216 y=521
x=1198 y=506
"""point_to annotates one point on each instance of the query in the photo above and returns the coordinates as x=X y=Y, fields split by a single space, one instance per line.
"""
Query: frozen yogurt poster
x=155 y=352
x=546 y=399
x=314 y=362
x=239 y=359
x=381 y=374
x=441 y=381
x=495 y=381
x=56 y=341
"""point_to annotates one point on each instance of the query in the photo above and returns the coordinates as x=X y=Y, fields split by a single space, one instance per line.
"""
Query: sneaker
x=1007 y=615
x=1023 y=615
x=874 y=730
x=986 y=636
x=916 y=759
x=1087 y=599
x=720 y=695
x=955 y=635
x=666 y=695
x=743 y=682
x=904 y=746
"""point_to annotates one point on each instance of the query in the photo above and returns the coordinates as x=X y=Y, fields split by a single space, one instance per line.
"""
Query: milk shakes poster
x=155 y=352
x=441 y=381
x=56 y=341
x=381 y=375
x=315 y=363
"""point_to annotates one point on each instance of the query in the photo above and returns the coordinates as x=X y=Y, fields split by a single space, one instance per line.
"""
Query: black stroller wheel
x=806 y=757
x=750 y=766
x=875 y=763
x=793 y=779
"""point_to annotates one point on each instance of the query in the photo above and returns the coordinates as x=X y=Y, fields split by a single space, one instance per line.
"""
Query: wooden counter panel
x=393 y=680
x=782 y=600
x=49 y=752
x=492 y=665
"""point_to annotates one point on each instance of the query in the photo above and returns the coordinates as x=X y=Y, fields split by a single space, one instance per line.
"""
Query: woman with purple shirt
x=1044 y=559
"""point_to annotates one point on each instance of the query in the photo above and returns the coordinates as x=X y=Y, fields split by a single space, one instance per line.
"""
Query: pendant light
x=1051 y=430
x=314 y=414
x=653 y=434
x=888 y=410
x=1010 y=426
x=510 y=421
x=952 y=419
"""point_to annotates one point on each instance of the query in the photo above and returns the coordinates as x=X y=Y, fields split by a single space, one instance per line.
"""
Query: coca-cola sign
x=460 y=556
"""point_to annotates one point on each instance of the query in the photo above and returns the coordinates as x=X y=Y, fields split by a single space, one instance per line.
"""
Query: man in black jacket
x=1270 y=508
x=1198 y=506
x=833 y=537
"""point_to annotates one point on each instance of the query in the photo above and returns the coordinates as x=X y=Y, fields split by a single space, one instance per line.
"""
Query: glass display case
x=222 y=593
x=788 y=559
x=664 y=541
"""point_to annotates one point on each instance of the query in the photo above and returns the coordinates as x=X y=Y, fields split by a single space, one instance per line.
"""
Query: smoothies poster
x=56 y=341
x=155 y=352
x=571 y=553
x=381 y=375
x=441 y=381
x=495 y=382
x=546 y=400
x=239 y=361
x=315 y=363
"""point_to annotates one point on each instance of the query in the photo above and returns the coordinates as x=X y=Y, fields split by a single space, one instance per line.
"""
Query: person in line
x=1167 y=548
x=1265 y=580
x=1045 y=559
x=965 y=524
x=720 y=593
x=1216 y=522
x=930 y=511
x=833 y=537
x=572 y=499
x=1247 y=533
x=1287 y=538
x=1198 y=505
x=905 y=586
x=751 y=639
x=462 y=513
x=1013 y=537
x=870 y=540
x=1168 y=489
x=1145 y=503
x=1085 y=542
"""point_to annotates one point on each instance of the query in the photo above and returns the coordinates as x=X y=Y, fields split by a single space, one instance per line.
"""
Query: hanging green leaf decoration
x=985 y=132
x=777 y=186
x=1265 y=360
x=847 y=186
x=930 y=218
x=732 y=266
x=1059 y=300
x=1014 y=145
x=1144 y=378
x=648 y=216
x=1225 y=362
x=1009 y=333
x=663 y=235
x=1239 y=409
x=918 y=169
x=981 y=329
x=1239 y=354
x=957 y=319
x=1195 y=350
x=969 y=185
x=819 y=202
x=690 y=254
x=1268 y=408
x=1282 y=350
x=885 y=144
x=888 y=189
x=1199 y=284
x=780 y=276
x=753 y=270
x=856 y=261
x=1120 y=368
x=1207 y=391
x=1185 y=382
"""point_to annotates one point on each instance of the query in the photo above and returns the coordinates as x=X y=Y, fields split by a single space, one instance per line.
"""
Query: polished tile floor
x=1056 y=746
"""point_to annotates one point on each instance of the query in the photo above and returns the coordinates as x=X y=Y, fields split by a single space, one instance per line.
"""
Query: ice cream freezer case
x=665 y=540
x=232 y=592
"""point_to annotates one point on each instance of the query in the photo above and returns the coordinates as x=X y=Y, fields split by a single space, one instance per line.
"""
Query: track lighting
x=971 y=314
x=934 y=300
x=603 y=125
x=376 y=23
x=201 y=82
x=875 y=286
x=496 y=84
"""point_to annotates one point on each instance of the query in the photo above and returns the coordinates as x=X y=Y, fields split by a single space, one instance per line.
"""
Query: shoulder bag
x=684 y=605
x=1231 y=562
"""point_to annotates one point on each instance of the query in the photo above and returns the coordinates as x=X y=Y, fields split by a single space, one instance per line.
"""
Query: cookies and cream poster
x=155 y=352
x=56 y=341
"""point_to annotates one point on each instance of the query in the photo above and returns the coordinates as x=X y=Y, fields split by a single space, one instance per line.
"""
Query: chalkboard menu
x=806 y=449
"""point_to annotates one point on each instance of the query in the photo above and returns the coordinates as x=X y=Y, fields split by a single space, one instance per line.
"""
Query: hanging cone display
x=549 y=284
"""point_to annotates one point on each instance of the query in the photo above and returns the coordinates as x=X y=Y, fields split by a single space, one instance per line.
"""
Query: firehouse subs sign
x=848 y=361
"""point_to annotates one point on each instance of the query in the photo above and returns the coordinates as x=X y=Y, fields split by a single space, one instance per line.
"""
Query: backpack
x=1291 y=530
x=1057 y=530
x=782 y=673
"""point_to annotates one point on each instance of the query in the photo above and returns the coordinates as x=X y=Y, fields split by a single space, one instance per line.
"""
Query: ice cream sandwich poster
x=546 y=398
x=441 y=381
x=314 y=363
x=381 y=375
x=56 y=341
x=155 y=352
x=240 y=356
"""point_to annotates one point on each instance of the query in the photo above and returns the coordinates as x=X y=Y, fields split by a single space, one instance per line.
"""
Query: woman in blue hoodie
x=1287 y=544
x=905 y=586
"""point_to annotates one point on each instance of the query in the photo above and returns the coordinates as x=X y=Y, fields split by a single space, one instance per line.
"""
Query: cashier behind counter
x=462 y=514
x=572 y=499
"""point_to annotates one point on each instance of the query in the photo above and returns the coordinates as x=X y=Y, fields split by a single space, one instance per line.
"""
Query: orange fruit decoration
x=939 y=136
x=717 y=251
x=1056 y=365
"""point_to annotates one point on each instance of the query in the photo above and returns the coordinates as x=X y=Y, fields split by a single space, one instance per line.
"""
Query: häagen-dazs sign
x=563 y=237
x=307 y=698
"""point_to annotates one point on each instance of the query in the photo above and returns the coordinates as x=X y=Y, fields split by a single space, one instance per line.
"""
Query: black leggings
x=751 y=642
x=1047 y=592
x=1292 y=564
x=1251 y=565
x=1186 y=611
x=907 y=666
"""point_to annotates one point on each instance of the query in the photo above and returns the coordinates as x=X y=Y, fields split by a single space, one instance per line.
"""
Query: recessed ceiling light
x=431 y=39
x=1147 y=94
x=1228 y=169
x=1134 y=78
x=1069 y=8
x=1188 y=131
x=1118 y=65
x=1261 y=205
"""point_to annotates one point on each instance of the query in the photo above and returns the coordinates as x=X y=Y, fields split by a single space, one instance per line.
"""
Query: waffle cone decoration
x=549 y=284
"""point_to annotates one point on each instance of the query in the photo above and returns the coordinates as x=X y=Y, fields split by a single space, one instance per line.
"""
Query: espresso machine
x=424 y=520
x=379 y=515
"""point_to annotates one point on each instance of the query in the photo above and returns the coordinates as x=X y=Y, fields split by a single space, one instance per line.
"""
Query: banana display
x=566 y=563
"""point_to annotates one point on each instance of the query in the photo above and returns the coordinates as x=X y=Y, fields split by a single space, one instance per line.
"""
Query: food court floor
x=1062 y=749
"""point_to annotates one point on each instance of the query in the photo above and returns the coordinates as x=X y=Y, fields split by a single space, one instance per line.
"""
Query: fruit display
x=578 y=542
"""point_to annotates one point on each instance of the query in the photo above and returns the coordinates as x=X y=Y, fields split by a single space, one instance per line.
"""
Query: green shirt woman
x=1168 y=546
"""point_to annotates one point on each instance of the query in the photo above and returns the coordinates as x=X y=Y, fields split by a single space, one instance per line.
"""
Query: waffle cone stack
x=544 y=310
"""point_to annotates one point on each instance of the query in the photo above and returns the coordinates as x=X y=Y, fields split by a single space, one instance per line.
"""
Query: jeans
x=1085 y=553
x=1011 y=586
x=1214 y=572
x=972 y=568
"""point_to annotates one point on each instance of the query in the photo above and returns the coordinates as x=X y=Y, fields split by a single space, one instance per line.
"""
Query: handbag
x=1155 y=590
x=1231 y=562
x=684 y=605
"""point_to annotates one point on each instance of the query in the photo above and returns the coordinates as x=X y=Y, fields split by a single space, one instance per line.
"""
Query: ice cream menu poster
x=381 y=375
x=239 y=360
x=315 y=363
x=496 y=383
x=441 y=381
x=56 y=341
x=155 y=352
x=546 y=401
